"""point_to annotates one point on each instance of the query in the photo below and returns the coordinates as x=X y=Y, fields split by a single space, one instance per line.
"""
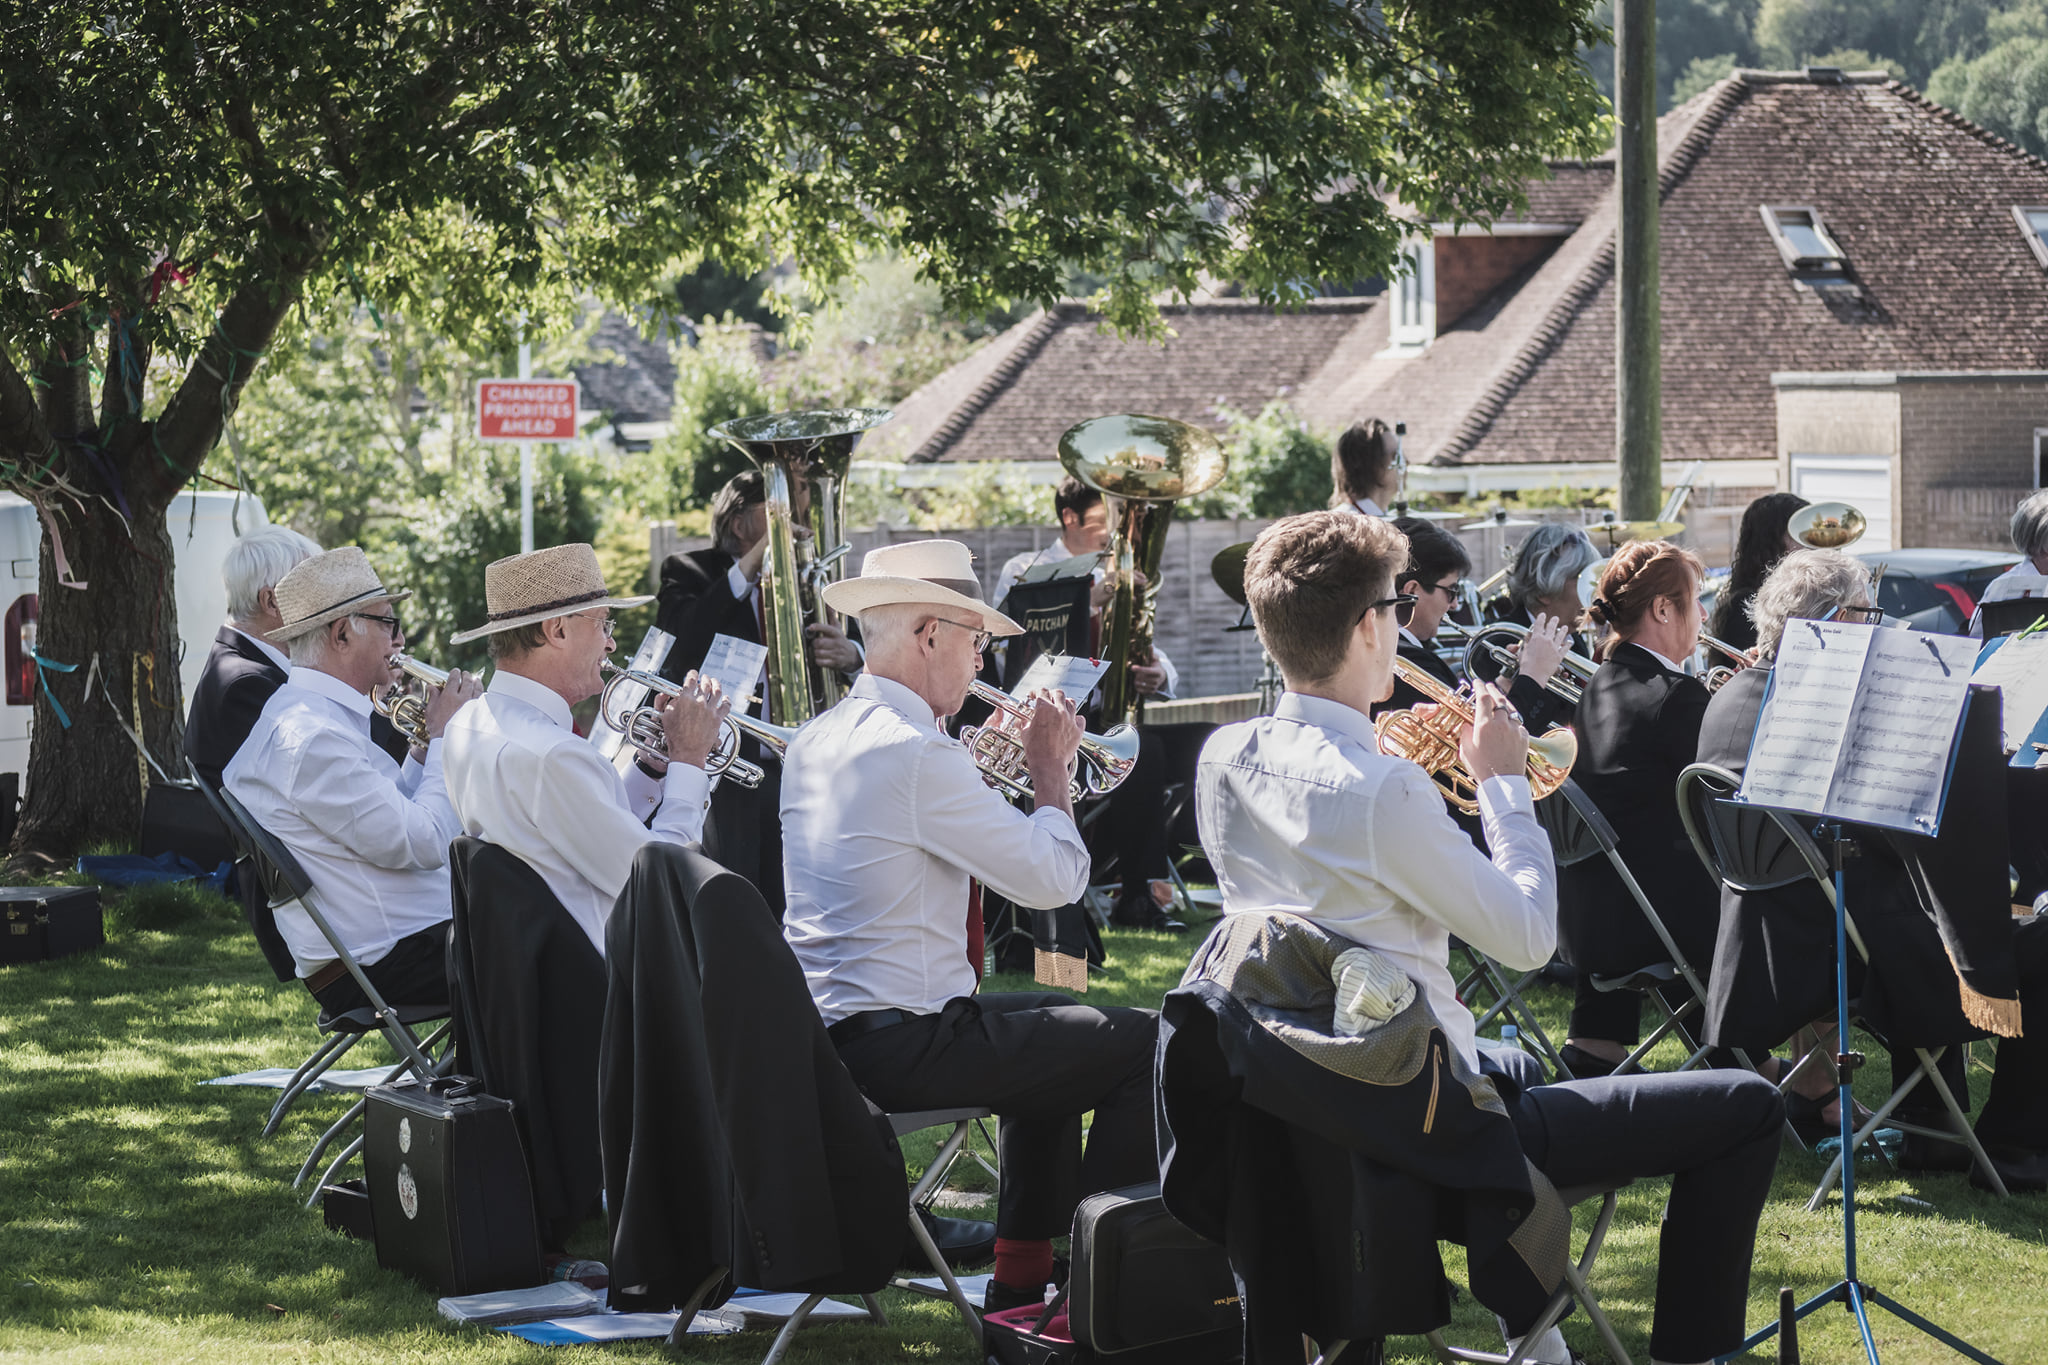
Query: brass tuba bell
x=1827 y=525
x=1148 y=464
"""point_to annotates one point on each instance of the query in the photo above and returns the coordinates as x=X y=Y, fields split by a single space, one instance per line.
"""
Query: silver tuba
x=998 y=750
x=407 y=710
x=803 y=458
x=624 y=712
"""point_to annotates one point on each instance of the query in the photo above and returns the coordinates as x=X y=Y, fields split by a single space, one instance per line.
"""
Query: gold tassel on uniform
x=1987 y=1012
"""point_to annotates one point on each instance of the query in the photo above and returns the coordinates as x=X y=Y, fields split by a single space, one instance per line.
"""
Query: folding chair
x=1508 y=1002
x=1749 y=848
x=1579 y=831
x=284 y=882
x=921 y=1194
x=1575 y=1287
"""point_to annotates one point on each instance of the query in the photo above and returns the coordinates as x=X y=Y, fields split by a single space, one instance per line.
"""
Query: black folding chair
x=285 y=882
x=1752 y=849
x=1579 y=831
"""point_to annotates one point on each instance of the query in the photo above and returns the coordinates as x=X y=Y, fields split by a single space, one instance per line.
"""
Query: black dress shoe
x=1583 y=1065
x=2023 y=1172
x=1927 y=1156
x=963 y=1242
x=1142 y=913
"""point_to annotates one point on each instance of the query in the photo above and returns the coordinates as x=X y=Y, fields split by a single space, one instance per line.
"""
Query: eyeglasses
x=982 y=638
x=389 y=623
x=1449 y=589
x=1866 y=616
x=604 y=622
x=1403 y=604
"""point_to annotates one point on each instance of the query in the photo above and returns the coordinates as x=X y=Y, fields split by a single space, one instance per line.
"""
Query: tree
x=1908 y=36
x=2005 y=89
x=177 y=177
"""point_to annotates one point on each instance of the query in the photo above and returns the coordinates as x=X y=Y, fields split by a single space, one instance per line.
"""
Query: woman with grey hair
x=1543 y=595
x=2029 y=577
x=1810 y=585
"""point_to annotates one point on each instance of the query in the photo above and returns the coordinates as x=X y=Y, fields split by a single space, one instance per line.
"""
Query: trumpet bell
x=1827 y=525
x=1143 y=458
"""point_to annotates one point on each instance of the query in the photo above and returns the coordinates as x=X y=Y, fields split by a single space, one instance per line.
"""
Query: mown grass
x=143 y=1217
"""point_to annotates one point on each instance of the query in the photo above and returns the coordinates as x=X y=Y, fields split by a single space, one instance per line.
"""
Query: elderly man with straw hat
x=518 y=773
x=885 y=819
x=373 y=837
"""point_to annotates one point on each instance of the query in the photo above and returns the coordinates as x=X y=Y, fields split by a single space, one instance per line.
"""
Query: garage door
x=1862 y=481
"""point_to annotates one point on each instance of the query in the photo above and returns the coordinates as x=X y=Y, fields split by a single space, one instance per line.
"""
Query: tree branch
x=25 y=442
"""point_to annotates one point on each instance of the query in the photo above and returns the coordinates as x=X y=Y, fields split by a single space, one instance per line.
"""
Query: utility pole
x=1638 y=367
x=525 y=456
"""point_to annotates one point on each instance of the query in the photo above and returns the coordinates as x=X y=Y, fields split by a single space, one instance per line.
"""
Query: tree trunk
x=85 y=781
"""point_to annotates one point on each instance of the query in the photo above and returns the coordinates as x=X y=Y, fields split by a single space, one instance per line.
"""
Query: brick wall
x=1970 y=518
x=1968 y=458
x=1470 y=268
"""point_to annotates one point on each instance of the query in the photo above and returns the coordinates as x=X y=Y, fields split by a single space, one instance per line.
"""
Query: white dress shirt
x=378 y=855
x=884 y=818
x=271 y=651
x=2021 y=580
x=1300 y=812
x=520 y=777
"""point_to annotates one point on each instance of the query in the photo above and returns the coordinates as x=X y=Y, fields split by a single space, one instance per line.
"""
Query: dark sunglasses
x=1863 y=616
x=389 y=623
x=1403 y=604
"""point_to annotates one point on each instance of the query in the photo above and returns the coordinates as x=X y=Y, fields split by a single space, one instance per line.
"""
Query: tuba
x=1106 y=759
x=1431 y=741
x=406 y=710
x=641 y=725
x=803 y=458
x=1146 y=464
x=1827 y=525
x=1499 y=642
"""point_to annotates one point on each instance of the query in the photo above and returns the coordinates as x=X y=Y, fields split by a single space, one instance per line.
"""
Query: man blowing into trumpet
x=885 y=819
x=520 y=776
x=1301 y=813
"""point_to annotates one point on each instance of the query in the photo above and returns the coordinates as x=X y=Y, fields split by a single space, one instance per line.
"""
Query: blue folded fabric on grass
x=132 y=869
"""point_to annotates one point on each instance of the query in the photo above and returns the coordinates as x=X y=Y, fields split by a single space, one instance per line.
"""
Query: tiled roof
x=639 y=386
x=1058 y=368
x=1573 y=191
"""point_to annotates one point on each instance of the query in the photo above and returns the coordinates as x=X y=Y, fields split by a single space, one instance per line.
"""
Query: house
x=1854 y=305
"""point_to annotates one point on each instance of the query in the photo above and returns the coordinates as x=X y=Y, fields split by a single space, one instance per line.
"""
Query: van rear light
x=20 y=648
x=1965 y=605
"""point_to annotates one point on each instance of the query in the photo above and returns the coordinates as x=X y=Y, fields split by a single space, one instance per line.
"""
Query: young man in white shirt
x=1302 y=813
x=373 y=838
x=885 y=819
x=520 y=776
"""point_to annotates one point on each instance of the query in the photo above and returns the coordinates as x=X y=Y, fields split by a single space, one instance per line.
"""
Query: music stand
x=1850 y=1290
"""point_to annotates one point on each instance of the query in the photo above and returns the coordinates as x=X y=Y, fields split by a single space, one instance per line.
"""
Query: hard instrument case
x=42 y=922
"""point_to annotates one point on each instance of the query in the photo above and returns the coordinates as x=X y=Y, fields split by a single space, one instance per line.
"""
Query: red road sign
x=526 y=409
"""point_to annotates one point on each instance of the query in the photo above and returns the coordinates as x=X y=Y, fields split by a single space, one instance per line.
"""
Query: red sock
x=1023 y=1264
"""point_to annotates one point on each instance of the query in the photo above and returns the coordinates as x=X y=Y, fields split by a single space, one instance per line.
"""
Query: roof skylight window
x=1802 y=238
x=2033 y=221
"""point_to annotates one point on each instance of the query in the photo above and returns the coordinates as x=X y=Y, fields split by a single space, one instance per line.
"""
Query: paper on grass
x=763 y=1310
x=539 y=1303
x=278 y=1077
x=1859 y=723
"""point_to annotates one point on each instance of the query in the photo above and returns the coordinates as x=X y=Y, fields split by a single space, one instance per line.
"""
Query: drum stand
x=1850 y=1291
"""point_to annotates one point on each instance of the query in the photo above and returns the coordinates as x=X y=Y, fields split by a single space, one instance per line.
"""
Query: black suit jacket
x=1638 y=725
x=1775 y=951
x=733 y=1136
x=238 y=679
x=695 y=603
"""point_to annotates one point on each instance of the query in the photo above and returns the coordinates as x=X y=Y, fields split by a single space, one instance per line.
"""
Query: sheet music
x=2018 y=668
x=653 y=652
x=1894 y=770
x=735 y=665
x=1067 y=673
x=1805 y=719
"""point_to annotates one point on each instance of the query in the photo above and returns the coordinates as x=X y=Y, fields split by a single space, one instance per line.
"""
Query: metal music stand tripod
x=1850 y=1291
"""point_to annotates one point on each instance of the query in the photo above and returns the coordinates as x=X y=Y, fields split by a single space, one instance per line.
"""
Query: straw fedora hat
x=938 y=573
x=523 y=589
x=326 y=588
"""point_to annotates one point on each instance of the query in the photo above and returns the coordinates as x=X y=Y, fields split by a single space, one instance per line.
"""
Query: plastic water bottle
x=1510 y=1036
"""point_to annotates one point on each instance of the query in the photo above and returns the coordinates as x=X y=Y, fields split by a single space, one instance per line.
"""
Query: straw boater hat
x=523 y=589
x=326 y=588
x=937 y=573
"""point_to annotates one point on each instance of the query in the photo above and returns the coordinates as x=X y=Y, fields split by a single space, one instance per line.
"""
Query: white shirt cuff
x=686 y=783
x=740 y=584
x=1500 y=795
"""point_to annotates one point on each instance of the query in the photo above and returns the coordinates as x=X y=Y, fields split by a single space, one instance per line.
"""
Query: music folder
x=1859 y=723
x=2017 y=665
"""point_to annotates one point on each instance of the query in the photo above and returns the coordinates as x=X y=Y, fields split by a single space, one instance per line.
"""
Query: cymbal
x=1227 y=568
x=1500 y=520
x=1618 y=531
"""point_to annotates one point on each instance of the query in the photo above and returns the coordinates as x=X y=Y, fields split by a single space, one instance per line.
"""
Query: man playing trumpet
x=374 y=838
x=885 y=819
x=522 y=778
x=1302 y=814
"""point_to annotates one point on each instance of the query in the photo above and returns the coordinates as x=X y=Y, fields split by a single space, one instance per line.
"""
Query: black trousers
x=414 y=972
x=743 y=831
x=1040 y=1061
x=1715 y=1133
x=1136 y=827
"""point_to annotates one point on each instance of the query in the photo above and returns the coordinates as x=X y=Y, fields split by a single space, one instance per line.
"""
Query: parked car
x=1935 y=590
x=202 y=525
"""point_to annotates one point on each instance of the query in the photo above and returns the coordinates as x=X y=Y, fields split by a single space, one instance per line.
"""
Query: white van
x=202 y=526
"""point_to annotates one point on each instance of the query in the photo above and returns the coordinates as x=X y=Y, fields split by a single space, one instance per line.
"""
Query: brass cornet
x=1106 y=759
x=1431 y=742
x=1718 y=675
x=1501 y=641
x=641 y=725
x=407 y=711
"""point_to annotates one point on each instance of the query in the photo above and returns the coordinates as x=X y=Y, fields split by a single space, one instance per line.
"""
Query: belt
x=326 y=976
x=867 y=1021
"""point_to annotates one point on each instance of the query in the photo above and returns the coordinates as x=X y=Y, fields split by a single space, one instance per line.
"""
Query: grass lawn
x=142 y=1217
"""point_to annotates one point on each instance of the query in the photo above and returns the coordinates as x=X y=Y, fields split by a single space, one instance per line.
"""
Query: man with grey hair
x=1773 y=966
x=2029 y=577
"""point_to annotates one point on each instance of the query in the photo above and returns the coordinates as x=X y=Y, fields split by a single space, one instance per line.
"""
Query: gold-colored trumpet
x=1431 y=742
x=1717 y=676
x=641 y=725
x=1501 y=642
x=407 y=711
x=1106 y=759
